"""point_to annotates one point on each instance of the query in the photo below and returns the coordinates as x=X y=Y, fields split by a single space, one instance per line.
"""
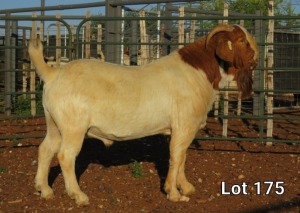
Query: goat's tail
x=36 y=55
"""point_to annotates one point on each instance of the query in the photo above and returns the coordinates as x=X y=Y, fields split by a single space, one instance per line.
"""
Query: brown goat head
x=238 y=51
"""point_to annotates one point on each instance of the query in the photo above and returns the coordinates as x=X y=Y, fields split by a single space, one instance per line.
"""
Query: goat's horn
x=219 y=28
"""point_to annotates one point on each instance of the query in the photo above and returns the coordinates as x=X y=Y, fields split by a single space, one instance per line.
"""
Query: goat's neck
x=203 y=59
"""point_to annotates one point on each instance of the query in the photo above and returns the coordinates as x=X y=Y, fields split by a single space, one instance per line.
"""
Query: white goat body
x=112 y=102
x=128 y=102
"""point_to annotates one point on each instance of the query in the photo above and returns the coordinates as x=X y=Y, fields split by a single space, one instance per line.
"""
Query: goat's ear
x=224 y=47
x=224 y=50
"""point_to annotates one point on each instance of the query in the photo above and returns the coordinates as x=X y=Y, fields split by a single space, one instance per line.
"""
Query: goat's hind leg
x=48 y=148
x=70 y=148
x=185 y=187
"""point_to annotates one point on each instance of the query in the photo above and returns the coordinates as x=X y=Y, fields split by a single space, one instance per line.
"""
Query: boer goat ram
x=115 y=103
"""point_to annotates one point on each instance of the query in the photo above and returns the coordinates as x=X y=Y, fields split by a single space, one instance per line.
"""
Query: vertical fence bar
x=239 y=101
x=269 y=71
x=32 y=74
x=167 y=31
x=134 y=48
x=65 y=42
x=143 y=35
x=71 y=41
x=258 y=80
x=112 y=33
x=193 y=29
x=24 y=66
x=158 y=33
x=181 y=27
x=58 y=41
x=99 y=42
x=226 y=94
x=7 y=101
x=42 y=23
x=13 y=59
x=261 y=80
x=82 y=42
x=88 y=36
x=122 y=36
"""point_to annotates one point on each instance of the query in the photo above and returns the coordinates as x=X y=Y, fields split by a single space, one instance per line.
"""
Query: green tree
x=282 y=7
x=248 y=7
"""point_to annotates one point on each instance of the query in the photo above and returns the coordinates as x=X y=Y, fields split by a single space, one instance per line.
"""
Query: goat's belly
x=126 y=121
x=122 y=134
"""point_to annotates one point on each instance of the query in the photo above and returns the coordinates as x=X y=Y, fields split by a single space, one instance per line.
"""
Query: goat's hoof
x=188 y=189
x=81 y=199
x=184 y=198
x=46 y=191
x=178 y=198
x=47 y=194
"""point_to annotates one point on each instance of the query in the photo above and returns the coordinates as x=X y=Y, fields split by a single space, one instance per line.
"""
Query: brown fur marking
x=198 y=57
x=206 y=58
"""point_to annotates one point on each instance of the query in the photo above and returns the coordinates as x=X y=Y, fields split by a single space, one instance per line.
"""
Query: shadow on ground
x=121 y=153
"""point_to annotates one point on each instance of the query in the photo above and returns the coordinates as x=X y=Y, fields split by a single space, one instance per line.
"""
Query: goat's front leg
x=71 y=146
x=176 y=177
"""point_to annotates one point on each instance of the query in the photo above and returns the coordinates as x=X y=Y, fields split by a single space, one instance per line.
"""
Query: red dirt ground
x=105 y=174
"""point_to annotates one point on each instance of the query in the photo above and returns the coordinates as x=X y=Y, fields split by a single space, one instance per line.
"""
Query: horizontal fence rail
x=119 y=40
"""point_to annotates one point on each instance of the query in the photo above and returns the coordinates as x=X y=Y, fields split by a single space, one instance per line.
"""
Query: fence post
x=88 y=36
x=32 y=73
x=143 y=36
x=7 y=100
x=226 y=94
x=167 y=31
x=24 y=73
x=112 y=33
x=158 y=33
x=58 y=41
x=42 y=23
x=134 y=48
x=99 y=43
x=258 y=98
x=269 y=73
x=181 y=27
x=14 y=52
x=258 y=74
x=72 y=53
x=193 y=29
x=239 y=101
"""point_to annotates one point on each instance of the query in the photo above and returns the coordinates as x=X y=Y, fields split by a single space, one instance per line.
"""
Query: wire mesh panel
x=287 y=64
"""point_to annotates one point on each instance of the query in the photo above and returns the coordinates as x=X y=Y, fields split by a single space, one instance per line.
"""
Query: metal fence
x=125 y=46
